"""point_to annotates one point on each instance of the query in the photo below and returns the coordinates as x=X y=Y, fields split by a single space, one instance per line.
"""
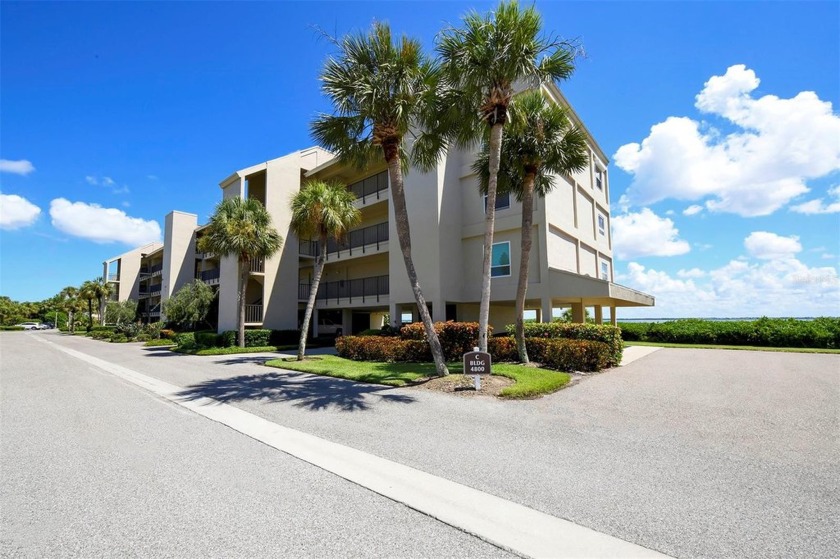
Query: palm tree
x=326 y=211
x=87 y=292
x=102 y=289
x=541 y=143
x=241 y=227
x=484 y=60
x=69 y=297
x=383 y=90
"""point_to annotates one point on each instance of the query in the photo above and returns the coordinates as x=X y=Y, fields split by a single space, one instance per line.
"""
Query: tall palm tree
x=383 y=90
x=69 y=297
x=102 y=289
x=326 y=211
x=241 y=227
x=484 y=60
x=541 y=143
x=87 y=292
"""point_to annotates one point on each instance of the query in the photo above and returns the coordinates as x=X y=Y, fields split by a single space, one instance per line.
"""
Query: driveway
x=694 y=453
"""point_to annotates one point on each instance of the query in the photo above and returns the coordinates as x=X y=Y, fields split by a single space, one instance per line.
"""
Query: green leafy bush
x=185 y=339
x=207 y=338
x=253 y=338
x=153 y=330
x=764 y=332
x=159 y=342
x=382 y=348
x=456 y=338
x=167 y=334
x=118 y=338
x=610 y=335
x=11 y=328
x=577 y=355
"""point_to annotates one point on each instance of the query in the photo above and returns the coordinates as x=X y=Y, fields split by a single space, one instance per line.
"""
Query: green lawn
x=740 y=347
x=529 y=381
x=232 y=350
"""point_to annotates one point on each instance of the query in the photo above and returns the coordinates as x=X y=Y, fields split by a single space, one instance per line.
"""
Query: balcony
x=210 y=277
x=253 y=314
x=372 y=188
x=113 y=277
x=143 y=292
x=256 y=266
x=156 y=269
x=362 y=290
x=154 y=290
x=362 y=241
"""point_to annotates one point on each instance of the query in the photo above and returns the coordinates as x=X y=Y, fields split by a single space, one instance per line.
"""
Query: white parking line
x=503 y=523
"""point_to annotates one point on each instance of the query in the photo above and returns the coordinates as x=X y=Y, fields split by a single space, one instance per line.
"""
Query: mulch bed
x=464 y=386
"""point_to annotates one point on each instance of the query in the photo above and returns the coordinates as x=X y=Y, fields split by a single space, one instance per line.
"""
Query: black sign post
x=477 y=363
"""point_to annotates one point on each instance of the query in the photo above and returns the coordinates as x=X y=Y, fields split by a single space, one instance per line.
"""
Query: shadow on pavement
x=306 y=391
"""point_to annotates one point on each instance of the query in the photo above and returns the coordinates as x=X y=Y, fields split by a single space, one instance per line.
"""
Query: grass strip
x=231 y=350
x=159 y=343
x=529 y=382
x=736 y=347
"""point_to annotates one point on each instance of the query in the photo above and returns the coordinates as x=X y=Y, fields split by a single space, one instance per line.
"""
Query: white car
x=32 y=326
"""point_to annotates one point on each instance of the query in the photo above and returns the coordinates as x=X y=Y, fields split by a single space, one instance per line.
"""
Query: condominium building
x=365 y=282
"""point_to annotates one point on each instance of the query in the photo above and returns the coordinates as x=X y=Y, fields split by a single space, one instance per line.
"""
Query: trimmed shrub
x=153 y=330
x=253 y=338
x=167 y=334
x=610 y=335
x=502 y=349
x=577 y=355
x=382 y=348
x=118 y=338
x=206 y=338
x=765 y=332
x=11 y=328
x=456 y=338
x=185 y=339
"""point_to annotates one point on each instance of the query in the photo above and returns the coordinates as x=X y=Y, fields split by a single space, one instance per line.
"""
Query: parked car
x=32 y=326
x=326 y=327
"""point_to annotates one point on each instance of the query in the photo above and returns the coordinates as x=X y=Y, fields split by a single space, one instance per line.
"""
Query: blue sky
x=720 y=118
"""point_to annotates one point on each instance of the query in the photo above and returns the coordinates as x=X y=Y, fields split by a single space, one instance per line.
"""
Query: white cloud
x=646 y=234
x=781 y=287
x=17 y=212
x=693 y=210
x=818 y=206
x=92 y=180
x=779 y=145
x=101 y=225
x=768 y=246
x=107 y=182
x=19 y=167
x=692 y=273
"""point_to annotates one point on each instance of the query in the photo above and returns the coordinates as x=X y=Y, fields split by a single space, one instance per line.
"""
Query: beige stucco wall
x=178 y=252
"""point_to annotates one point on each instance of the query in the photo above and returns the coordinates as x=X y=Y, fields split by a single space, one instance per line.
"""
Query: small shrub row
x=610 y=335
x=456 y=338
x=823 y=333
x=561 y=354
x=11 y=328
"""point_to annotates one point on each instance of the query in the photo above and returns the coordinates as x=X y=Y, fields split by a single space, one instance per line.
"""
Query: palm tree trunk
x=320 y=262
x=101 y=311
x=524 y=261
x=404 y=236
x=243 y=289
x=90 y=315
x=495 y=154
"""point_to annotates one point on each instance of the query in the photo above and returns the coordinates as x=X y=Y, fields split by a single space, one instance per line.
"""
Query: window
x=605 y=271
x=599 y=178
x=406 y=317
x=502 y=201
x=500 y=260
x=602 y=224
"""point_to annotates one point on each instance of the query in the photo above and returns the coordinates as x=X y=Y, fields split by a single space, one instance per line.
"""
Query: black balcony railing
x=357 y=240
x=371 y=187
x=154 y=288
x=209 y=275
x=156 y=268
x=361 y=289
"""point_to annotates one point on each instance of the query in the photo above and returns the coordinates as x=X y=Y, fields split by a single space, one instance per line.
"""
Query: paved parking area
x=694 y=453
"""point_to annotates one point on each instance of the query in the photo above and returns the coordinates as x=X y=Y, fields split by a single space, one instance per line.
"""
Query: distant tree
x=241 y=227
x=121 y=313
x=87 y=292
x=325 y=211
x=188 y=307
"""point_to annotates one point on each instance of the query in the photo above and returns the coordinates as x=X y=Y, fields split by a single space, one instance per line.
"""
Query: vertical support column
x=578 y=316
x=439 y=311
x=545 y=309
x=613 y=317
x=599 y=314
x=394 y=312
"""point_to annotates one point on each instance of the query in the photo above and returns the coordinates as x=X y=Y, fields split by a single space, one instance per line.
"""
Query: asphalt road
x=694 y=453
x=92 y=466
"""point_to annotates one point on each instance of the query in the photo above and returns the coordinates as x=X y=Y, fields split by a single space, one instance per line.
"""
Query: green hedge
x=456 y=338
x=382 y=348
x=11 y=328
x=610 y=335
x=560 y=354
x=764 y=332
